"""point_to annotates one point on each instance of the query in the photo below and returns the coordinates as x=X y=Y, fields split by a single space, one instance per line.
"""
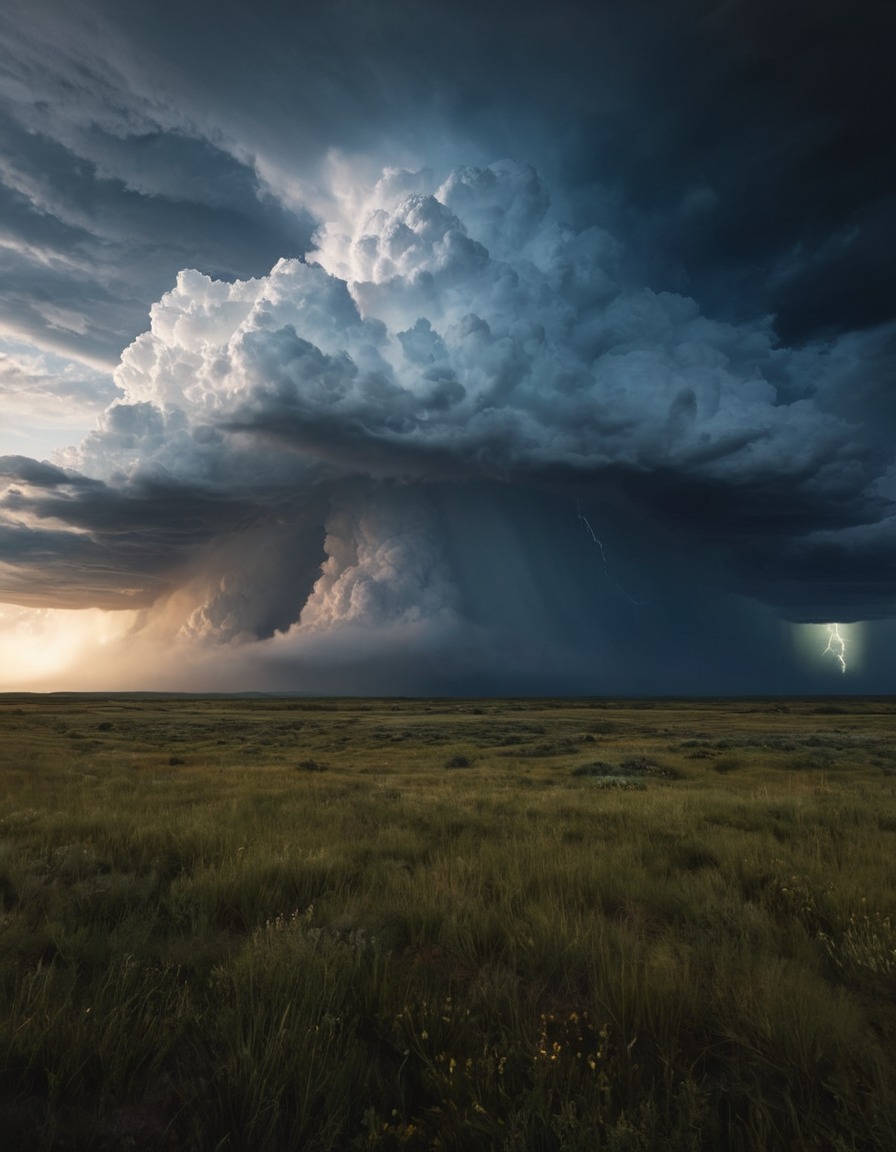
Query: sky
x=448 y=349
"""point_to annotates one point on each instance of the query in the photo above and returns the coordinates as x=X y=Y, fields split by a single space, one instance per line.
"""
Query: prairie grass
x=264 y=924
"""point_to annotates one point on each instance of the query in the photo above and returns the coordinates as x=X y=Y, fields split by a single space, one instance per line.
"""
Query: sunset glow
x=49 y=649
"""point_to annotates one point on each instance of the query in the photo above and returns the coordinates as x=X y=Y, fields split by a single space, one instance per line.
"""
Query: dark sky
x=417 y=347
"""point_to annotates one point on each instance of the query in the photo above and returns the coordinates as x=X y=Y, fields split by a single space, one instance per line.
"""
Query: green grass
x=421 y=926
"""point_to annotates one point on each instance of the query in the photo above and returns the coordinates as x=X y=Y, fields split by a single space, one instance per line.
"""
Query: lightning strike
x=603 y=557
x=584 y=520
x=836 y=645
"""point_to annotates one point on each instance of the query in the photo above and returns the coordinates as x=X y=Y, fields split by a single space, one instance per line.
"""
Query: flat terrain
x=256 y=924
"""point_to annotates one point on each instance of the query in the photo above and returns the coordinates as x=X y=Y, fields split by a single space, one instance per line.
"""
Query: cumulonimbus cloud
x=496 y=342
x=295 y=449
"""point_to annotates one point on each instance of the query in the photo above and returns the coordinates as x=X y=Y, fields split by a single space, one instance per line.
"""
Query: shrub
x=459 y=762
x=310 y=765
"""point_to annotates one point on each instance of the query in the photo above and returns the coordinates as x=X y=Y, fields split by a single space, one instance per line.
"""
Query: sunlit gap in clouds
x=50 y=649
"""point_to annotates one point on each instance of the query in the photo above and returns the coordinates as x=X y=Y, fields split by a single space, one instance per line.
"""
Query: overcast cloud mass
x=448 y=348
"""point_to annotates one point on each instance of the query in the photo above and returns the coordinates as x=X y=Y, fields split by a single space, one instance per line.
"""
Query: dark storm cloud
x=706 y=350
x=96 y=218
x=43 y=475
x=750 y=156
x=741 y=151
x=460 y=333
x=76 y=541
x=72 y=541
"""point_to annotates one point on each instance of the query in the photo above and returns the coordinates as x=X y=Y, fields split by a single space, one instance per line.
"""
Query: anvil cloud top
x=448 y=348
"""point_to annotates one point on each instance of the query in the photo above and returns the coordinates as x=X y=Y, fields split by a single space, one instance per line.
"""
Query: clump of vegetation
x=549 y=748
x=309 y=764
x=865 y=949
x=616 y=781
x=459 y=761
x=595 y=768
x=632 y=770
x=729 y=763
x=249 y=954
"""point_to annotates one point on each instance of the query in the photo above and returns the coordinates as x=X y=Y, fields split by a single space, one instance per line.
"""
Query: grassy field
x=249 y=925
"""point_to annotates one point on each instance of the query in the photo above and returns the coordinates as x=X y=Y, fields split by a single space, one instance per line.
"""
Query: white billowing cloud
x=461 y=321
x=384 y=566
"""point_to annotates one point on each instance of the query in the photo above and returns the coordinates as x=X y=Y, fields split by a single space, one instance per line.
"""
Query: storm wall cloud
x=411 y=415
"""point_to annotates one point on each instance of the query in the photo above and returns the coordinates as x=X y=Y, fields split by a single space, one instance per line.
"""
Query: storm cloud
x=407 y=416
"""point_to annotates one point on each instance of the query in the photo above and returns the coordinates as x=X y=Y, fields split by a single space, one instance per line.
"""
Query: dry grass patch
x=273 y=923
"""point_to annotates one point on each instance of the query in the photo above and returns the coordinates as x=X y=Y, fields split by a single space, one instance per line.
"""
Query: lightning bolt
x=836 y=646
x=603 y=557
x=584 y=520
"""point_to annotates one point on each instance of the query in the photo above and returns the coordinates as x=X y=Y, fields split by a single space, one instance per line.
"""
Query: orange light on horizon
x=54 y=649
